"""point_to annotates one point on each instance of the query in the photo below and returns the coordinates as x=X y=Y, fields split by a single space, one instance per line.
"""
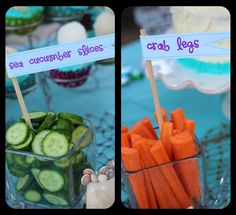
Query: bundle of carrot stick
x=173 y=185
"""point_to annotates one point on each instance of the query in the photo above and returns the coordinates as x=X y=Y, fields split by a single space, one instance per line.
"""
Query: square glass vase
x=62 y=175
x=178 y=184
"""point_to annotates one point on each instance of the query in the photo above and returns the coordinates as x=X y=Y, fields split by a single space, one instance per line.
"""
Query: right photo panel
x=175 y=107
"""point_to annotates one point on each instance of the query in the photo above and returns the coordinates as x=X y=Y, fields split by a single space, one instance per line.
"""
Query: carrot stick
x=166 y=133
x=160 y=155
x=178 y=118
x=146 y=121
x=132 y=162
x=125 y=140
x=124 y=129
x=141 y=129
x=190 y=126
x=134 y=138
x=164 y=194
x=150 y=191
x=163 y=113
x=176 y=131
x=183 y=147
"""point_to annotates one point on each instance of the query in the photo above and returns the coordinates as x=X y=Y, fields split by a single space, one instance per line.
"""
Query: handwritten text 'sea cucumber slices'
x=78 y=133
x=55 y=144
x=17 y=134
x=74 y=118
x=51 y=180
x=36 y=116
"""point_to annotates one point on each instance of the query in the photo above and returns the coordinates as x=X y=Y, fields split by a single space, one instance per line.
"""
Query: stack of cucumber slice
x=53 y=135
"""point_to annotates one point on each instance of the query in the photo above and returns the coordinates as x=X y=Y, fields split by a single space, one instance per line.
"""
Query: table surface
x=137 y=102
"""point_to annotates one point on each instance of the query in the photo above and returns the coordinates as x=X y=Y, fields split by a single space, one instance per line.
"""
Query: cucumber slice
x=55 y=199
x=9 y=158
x=17 y=134
x=71 y=145
x=51 y=180
x=78 y=133
x=67 y=133
x=65 y=162
x=26 y=143
x=51 y=113
x=49 y=120
x=35 y=116
x=37 y=142
x=29 y=160
x=64 y=124
x=18 y=171
x=33 y=196
x=79 y=158
x=35 y=173
x=74 y=118
x=20 y=161
x=23 y=182
x=55 y=144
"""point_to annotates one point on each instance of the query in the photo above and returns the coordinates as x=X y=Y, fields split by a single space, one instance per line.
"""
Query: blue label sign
x=53 y=57
x=183 y=45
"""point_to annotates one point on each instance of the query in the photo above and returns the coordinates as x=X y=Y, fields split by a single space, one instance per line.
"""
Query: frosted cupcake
x=89 y=19
x=105 y=24
x=72 y=76
x=203 y=19
x=26 y=82
x=65 y=11
x=22 y=17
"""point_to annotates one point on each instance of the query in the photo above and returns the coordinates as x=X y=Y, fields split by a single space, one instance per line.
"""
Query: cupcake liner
x=70 y=79
x=23 y=22
x=24 y=84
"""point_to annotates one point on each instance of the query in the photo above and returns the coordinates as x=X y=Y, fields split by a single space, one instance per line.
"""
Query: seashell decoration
x=105 y=173
x=86 y=179
x=88 y=171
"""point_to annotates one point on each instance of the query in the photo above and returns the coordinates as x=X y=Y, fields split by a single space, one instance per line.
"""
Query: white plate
x=176 y=77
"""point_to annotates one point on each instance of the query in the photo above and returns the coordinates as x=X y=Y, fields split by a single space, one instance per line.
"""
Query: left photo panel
x=60 y=107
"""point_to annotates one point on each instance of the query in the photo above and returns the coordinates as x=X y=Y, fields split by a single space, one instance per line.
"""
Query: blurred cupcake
x=89 y=19
x=26 y=82
x=105 y=24
x=65 y=11
x=22 y=17
x=72 y=76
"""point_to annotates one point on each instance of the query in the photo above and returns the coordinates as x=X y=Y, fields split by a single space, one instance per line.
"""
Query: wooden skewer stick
x=21 y=102
x=153 y=86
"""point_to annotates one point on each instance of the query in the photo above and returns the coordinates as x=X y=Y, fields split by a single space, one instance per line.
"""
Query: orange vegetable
x=141 y=129
x=150 y=192
x=178 y=118
x=134 y=138
x=125 y=140
x=166 y=133
x=164 y=194
x=124 y=129
x=160 y=155
x=176 y=131
x=146 y=121
x=163 y=113
x=132 y=162
x=183 y=147
x=190 y=126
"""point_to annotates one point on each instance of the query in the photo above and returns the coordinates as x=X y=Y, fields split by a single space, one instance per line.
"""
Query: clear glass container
x=70 y=166
x=162 y=186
